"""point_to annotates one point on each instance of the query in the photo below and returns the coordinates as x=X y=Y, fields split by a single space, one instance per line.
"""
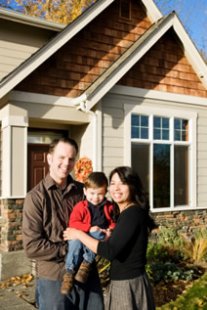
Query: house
x=127 y=83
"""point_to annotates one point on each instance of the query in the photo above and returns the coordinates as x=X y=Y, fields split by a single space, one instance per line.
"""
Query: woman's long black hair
x=137 y=194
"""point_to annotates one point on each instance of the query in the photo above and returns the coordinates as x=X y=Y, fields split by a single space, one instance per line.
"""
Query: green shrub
x=195 y=245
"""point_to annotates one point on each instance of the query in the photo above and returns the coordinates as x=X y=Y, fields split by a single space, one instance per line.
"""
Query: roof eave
x=153 y=12
x=29 y=20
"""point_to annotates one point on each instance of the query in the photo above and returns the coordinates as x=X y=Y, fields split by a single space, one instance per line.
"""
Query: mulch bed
x=166 y=292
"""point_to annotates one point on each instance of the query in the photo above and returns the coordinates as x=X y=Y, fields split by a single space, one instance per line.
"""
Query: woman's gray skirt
x=133 y=294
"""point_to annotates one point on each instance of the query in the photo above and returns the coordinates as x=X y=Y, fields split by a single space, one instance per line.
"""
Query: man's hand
x=70 y=234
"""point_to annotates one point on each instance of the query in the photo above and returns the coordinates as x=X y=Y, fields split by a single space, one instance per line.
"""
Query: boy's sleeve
x=110 y=211
x=80 y=219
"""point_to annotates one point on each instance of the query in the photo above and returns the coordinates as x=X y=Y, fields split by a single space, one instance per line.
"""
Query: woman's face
x=119 y=192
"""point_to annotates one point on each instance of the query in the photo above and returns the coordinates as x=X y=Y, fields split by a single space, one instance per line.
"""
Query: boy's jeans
x=77 y=252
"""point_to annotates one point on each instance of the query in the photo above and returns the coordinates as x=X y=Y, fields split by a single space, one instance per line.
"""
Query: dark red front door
x=37 y=163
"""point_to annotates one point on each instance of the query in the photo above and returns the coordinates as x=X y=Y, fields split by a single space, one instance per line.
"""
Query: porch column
x=14 y=152
x=13 y=189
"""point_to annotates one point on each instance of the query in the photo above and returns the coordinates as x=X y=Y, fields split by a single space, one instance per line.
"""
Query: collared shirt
x=45 y=216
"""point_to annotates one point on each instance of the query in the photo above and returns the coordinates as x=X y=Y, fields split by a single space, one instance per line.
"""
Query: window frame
x=121 y=3
x=170 y=113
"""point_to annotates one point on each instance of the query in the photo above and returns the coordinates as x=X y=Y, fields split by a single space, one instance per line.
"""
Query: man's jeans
x=78 y=251
x=83 y=296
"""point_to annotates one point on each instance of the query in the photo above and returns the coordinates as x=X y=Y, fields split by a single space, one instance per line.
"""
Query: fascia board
x=191 y=51
x=29 y=20
x=54 y=45
x=43 y=104
x=152 y=10
x=158 y=95
x=29 y=97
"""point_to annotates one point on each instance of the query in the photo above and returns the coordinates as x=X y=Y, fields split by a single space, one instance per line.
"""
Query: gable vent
x=125 y=9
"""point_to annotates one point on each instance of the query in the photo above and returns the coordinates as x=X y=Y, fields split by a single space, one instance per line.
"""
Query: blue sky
x=193 y=14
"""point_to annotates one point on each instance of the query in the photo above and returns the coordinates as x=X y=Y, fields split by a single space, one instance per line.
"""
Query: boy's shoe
x=83 y=272
x=67 y=283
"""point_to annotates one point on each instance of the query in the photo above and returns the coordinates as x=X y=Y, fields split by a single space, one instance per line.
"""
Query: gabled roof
x=110 y=77
x=27 y=67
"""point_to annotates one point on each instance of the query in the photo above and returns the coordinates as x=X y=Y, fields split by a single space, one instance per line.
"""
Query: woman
x=126 y=248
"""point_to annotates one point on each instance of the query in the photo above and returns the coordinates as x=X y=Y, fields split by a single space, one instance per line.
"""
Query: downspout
x=83 y=106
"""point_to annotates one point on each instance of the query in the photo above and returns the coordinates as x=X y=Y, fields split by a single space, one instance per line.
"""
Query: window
x=125 y=9
x=163 y=153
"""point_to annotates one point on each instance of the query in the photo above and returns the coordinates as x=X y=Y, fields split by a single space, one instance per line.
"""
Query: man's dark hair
x=68 y=140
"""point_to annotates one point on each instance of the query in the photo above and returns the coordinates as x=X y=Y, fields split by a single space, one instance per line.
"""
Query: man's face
x=61 y=161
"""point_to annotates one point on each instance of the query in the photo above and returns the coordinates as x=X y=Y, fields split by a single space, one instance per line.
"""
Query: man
x=47 y=208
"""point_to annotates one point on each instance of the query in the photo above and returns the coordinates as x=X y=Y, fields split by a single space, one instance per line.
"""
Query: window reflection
x=140 y=162
x=140 y=126
x=180 y=129
x=181 y=175
x=161 y=180
x=163 y=159
x=161 y=128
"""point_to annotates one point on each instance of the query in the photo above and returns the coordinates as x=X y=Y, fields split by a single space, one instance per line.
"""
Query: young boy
x=94 y=216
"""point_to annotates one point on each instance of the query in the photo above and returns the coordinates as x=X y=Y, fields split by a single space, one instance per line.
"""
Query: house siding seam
x=80 y=62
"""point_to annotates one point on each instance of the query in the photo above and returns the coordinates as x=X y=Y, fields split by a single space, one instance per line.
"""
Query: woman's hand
x=95 y=228
x=107 y=234
x=70 y=234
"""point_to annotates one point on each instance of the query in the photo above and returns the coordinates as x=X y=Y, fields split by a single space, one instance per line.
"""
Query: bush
x=195 y=245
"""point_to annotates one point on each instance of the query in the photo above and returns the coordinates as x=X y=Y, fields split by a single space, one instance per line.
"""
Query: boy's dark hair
x=95 y=180
x=68 y=140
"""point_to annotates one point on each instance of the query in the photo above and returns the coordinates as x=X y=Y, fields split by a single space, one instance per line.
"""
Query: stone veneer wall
x=11 y=222
x=12 y=257
x=184 y=221
x=11 y=225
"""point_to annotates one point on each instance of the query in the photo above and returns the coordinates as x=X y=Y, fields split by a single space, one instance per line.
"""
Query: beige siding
x=12 y=55
x=113 y=120
x=202 y=157
x=17 y=43
x=0 y=164
x=113 y=135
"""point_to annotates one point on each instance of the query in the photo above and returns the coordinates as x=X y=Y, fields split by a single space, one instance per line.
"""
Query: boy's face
x=95 y=195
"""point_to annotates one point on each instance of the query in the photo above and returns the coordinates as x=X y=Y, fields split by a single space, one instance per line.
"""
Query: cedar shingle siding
x=165 y=68
x=80 y=62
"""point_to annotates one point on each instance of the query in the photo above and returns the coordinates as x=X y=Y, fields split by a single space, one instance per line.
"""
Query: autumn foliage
x=59 y=11
x=82 y=169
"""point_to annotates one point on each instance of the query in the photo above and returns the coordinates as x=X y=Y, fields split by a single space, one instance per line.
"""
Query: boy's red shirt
x=80 y=217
